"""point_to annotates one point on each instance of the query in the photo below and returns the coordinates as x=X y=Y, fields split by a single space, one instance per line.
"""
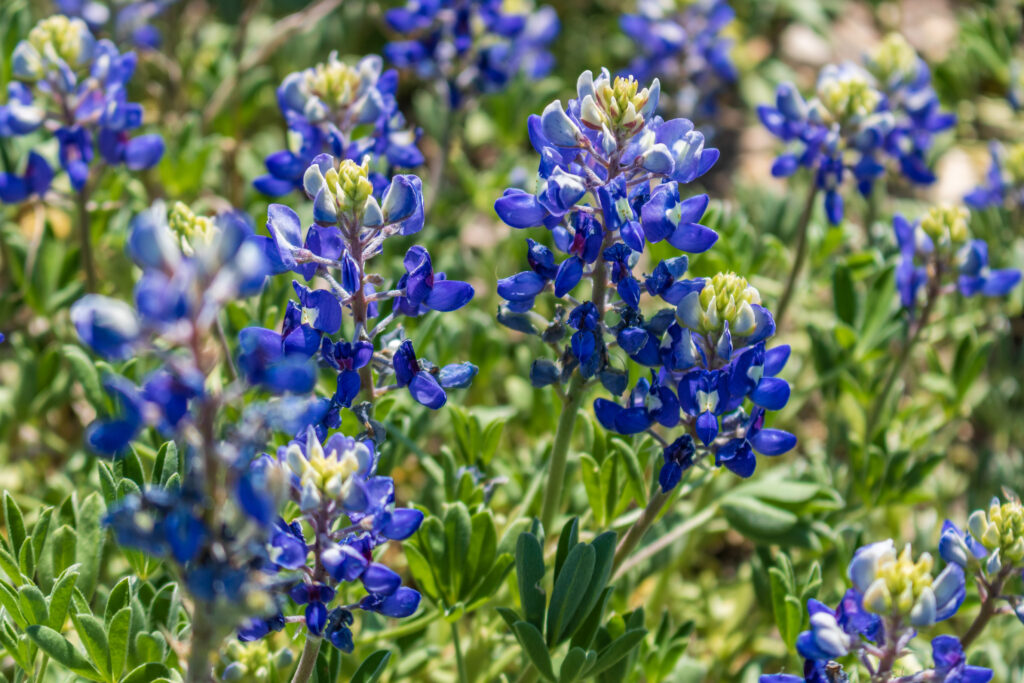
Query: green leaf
x=568 y=592
x=107 y=485
x=150 y=647
x=10 y=602
x=93 y=635
x=147 y=673
x=84 y=370
x=11 y=568
x=166 y=463
x=794 y=619
x=40 y=530
x=10 y=642
x=60 y=599
x=117 y=636
x=530 y=574
x=458 y=532
x=572 y=666
x=120 y=596
x=62 y=651
x=591 y=472
x=63 y=548
x=421 y=571
x=33 y=604
x=15 y=523
x=617 y=649
x=844 y=295
x=89 y=544
x=483 y=542
x=756 y=519
x=567 y=540
x=372 y=667
x=532 y=641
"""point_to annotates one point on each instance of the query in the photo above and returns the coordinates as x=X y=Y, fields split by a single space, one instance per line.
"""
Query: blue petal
x=426 y=391
x=449 y=295
x=403 y=523
x=771 y=393
x=520 y=209
x=693 y=238
x=772 y=441
x=380 y=579
x=143 y=152
x=521 y=286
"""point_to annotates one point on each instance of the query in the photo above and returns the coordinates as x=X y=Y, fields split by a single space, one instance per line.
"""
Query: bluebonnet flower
x=353 y=218
x=856 y=121
x=684 y=46
x=905 y=80
x=892 y=597
x=351 y=511
x=191 y=266
x=472 y=46
x=937 y=248
x=1004 y=181
x=326 y=108
x=610 y=182
x=127 y=20
x=73 y=86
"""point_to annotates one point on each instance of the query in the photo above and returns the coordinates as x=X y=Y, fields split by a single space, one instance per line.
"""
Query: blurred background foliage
x=718 y=556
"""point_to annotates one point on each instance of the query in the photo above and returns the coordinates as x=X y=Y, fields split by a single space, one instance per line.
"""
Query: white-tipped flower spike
x=994 y=564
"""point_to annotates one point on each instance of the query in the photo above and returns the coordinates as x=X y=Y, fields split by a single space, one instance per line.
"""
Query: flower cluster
x=349 y=512
x=684 y=46
x=327 y=109
x=1004 y=182
x=352 y=220
x=186 y=280
x=991 y=549
x=609 y=184
x=892 y=597
x=857 y=119
x=73 y=86
x=472 y=45
x=937 y=248
x=129 y=21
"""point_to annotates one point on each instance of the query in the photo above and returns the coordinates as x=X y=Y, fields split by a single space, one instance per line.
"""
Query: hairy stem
x=560 y=450
x=85 y=238
x=801 y=256
x=639 y=528
x=897 y=368
x=988 y=608
x=203 y=640
x=460 y=663
x=307 y=662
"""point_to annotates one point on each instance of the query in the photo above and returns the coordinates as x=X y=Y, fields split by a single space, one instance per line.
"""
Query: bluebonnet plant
x=991 y=550
x=936 y=252
x=128 y=21
x=471 y=46
x=214 y=539
x=1004 y=182
x=611 y=182
x=350 y=511
x=685 y=46
x=893 y=596
x=73 y=86
x=857 y=119
x=347 y=111
x=352 y=220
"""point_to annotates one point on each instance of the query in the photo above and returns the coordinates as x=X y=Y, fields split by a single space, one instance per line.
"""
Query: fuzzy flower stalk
x=348 y=111
x=195 y=520
x=895 y=595
x=860 y=121
x=71 y=87
x=611 y=183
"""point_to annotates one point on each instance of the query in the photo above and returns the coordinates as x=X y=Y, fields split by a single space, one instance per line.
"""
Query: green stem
x=203 y=640
x=307 y=662
x=988 y=608
x=406 y=629
x=85 y=239
x=639 y=528
x=459 y=661
x=801 y=256
x=897 y=368
x=560 y=450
